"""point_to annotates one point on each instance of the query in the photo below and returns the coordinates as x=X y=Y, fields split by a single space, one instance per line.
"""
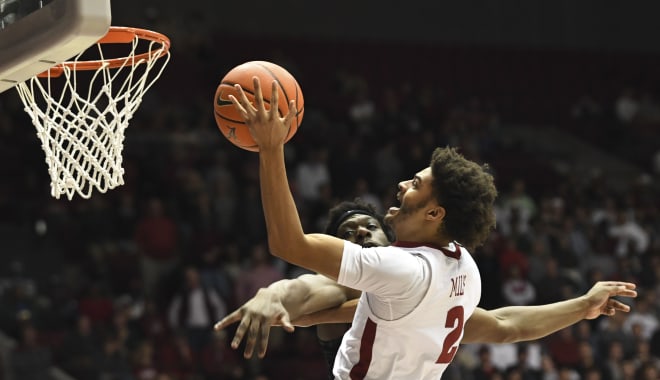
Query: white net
x=81 y=116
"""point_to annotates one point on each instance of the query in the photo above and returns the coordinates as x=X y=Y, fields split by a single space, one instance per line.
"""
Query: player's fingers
x=609 y=310
x=251 y=340
x=618 y=305
x=243 y=100
x=228 y=320
x=293 y=111
x=274 y=100
x=623 y=290
x=239 y=107
x=263 y=339
x=628 y=285
x=286 y=323
x=240 y=332
x=258 y=94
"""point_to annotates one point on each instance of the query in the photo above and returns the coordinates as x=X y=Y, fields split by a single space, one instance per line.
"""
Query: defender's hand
x=257 y=316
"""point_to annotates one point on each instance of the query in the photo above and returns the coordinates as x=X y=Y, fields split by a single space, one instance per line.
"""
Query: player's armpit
x=341 y=314
x=484 y=326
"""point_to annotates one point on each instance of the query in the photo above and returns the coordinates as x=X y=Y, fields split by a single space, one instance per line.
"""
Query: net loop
x=81 y=109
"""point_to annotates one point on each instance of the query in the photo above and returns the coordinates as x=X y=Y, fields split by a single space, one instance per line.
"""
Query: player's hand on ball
x=268 y=129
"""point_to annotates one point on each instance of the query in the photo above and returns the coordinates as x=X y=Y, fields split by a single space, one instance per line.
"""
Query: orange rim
x=117 y=35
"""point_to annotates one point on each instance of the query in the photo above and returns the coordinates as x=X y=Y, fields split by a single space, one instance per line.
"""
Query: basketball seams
x=217 y=114
x=229 y=120
x=225 y=132
x=279 y=84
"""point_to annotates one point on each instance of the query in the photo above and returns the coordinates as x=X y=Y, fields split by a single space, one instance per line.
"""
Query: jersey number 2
x=455 y=317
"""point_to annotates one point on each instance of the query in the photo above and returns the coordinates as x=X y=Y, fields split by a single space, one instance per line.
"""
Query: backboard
x=37 y=34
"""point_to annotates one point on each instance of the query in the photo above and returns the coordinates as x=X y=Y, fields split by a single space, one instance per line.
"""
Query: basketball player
x=296 y=301
x=417 y=293
x=354 y=221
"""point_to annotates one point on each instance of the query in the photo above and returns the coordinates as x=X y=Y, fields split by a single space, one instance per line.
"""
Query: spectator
x=517 y=210
x=30 y=360
x=96 y=304
x=517 y=290
x=548 y=369
x=510 y=256
x=219 y=361
x=113 y=363
x=143 y=362
x=564 y=348
x=79 y=352
x=152 y=324
x=630 y=236
x=485 y=369
x=157 y=239
x=251 y=215
x=311 y=173
x=611 y=330
x=194 y=310
x=363 y=191
x=524 y=363
x=362 y=108
x=644 y=316
x=553 y=286
x=589 y=366
x=614 y=361
x=259 y=273
x=177 y=358
x=214 y=274
x=224 y=201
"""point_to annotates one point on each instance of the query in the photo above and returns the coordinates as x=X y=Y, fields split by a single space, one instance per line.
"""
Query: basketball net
x=80 y=121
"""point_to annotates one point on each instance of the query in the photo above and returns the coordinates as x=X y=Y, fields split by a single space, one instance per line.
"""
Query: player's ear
x=436 y=213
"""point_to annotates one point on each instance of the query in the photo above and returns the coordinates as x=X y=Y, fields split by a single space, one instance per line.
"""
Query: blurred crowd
x=140 y=274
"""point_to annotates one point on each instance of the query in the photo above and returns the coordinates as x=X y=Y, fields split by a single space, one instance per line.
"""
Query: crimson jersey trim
x=359 y=371
x=411 y=244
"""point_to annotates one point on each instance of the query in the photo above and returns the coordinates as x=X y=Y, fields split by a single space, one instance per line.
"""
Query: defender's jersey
x=423 y=339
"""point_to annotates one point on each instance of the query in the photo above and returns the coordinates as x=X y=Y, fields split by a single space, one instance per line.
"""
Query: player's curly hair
x=467 y=192
x=343 y=210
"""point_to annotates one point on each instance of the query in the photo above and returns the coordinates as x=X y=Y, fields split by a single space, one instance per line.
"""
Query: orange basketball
x=231 y=123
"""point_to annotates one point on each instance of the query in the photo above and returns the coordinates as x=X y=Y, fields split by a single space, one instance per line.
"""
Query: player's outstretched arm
x=278 y=304
x=341 y=314
x=523 y=323
x=286 y=238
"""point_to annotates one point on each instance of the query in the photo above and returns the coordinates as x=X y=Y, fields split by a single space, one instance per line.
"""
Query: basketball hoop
x=81 y=118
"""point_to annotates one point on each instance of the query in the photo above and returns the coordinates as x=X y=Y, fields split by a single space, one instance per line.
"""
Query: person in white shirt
x=194 y=309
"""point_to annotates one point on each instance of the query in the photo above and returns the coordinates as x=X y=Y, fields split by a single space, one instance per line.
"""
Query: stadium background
x=560 y=98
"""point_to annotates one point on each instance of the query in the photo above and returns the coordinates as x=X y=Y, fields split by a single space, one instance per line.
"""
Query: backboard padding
x=48 y=36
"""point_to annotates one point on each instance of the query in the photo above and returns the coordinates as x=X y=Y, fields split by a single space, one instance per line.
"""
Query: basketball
x=229 y=120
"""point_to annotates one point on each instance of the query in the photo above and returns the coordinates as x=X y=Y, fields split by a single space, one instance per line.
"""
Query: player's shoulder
x=452 y=249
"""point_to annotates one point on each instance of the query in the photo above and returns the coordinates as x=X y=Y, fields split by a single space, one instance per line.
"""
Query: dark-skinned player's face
x=364 y=230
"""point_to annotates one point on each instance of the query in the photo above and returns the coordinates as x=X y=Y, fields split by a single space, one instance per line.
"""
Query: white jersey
x=421 y=339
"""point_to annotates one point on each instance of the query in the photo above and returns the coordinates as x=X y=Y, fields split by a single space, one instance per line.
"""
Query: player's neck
x=430 y=237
